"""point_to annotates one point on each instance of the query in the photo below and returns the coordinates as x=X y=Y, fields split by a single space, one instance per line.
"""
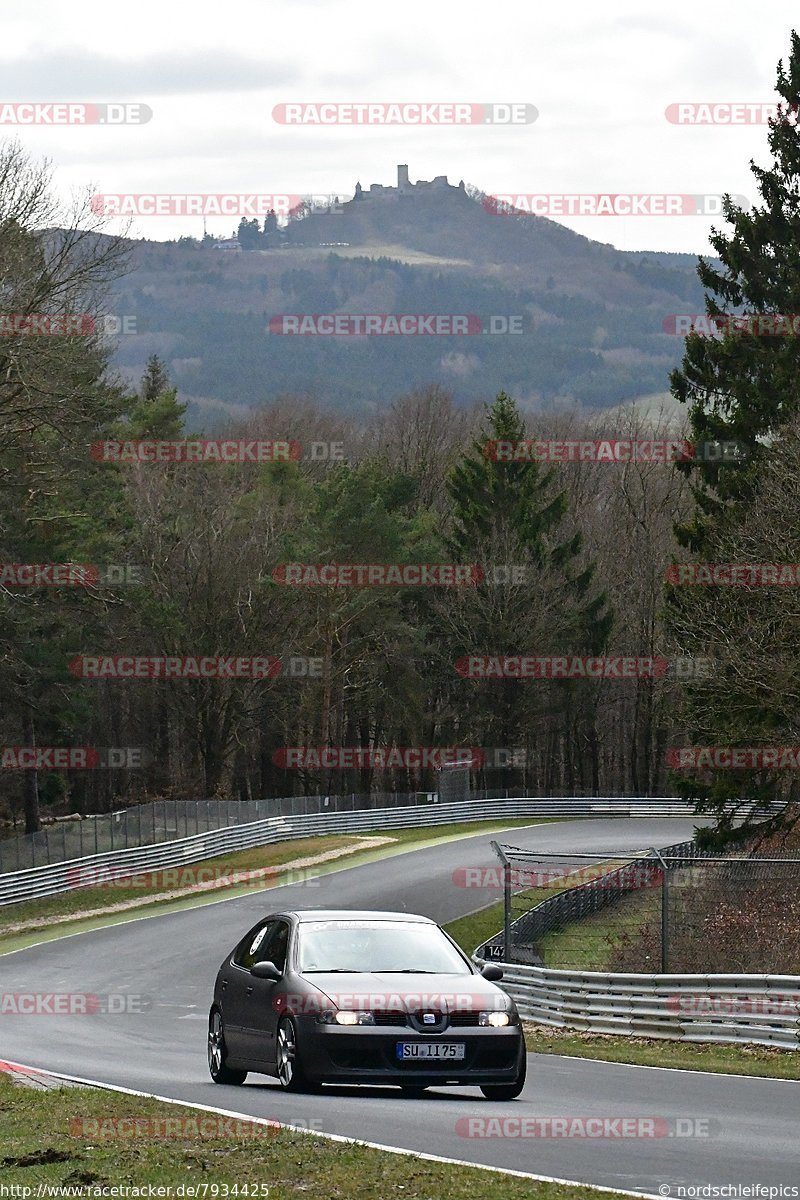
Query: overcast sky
x=600 y=76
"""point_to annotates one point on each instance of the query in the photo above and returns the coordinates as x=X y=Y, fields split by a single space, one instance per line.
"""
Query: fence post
x=506 y=900
x=507 y=912
x=664 y=914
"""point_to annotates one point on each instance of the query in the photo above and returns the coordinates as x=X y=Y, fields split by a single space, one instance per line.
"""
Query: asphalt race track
x=753 y=1123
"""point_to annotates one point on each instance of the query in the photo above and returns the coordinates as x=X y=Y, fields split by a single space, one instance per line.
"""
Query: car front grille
x=461 y=1020
x=393 y=1017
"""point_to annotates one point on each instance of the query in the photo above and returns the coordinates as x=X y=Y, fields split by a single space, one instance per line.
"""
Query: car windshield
x=377 y=946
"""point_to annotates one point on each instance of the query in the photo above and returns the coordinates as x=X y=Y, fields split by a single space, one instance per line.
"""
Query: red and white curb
x=30 y=1077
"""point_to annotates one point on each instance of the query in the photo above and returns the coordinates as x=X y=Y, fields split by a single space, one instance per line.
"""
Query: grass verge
x=765 y=1061
x=471 y=931
x=474 y=929
x=287 y=1163
x=590 y=943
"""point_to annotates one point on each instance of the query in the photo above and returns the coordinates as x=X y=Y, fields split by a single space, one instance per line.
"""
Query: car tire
x=288 y=1066
x=218 y=1054
x=508 y=1091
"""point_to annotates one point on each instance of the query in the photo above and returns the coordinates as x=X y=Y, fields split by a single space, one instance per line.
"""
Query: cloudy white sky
x=601 y=77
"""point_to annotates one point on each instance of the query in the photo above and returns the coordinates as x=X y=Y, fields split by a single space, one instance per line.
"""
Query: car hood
x=381 y=990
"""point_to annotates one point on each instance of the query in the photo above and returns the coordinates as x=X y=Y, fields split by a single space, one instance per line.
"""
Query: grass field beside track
x=289 y=1164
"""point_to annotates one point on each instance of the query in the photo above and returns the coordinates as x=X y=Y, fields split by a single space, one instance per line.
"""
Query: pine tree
x=516 y=504
x=742 y=386
x=507 y=515
x=155 y=379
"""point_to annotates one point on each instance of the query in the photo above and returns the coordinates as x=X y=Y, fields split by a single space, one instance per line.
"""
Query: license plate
x=449 y=1050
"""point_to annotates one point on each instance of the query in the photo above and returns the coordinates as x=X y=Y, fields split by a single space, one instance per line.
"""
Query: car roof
x=353 y=914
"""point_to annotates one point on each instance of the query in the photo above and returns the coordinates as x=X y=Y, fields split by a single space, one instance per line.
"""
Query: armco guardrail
x=16 y=886
x=757 y=1009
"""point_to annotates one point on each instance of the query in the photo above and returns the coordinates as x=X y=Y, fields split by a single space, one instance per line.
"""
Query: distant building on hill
x=405 y=187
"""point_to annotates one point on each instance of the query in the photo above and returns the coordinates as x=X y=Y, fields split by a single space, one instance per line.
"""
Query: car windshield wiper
x=372 y=970
x=413 y=971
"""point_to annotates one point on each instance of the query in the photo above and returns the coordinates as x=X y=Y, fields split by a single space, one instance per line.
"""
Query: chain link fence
x=678 y=909
x=168 y=820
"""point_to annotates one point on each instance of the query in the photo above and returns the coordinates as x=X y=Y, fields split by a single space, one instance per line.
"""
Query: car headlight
x=494 y=1018
x=346 y=1016
x=360 y=1017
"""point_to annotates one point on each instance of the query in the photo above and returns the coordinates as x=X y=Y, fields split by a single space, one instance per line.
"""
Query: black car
x=321 y=996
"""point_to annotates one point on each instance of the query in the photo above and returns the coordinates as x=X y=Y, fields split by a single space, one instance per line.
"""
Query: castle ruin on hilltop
x=405 y=187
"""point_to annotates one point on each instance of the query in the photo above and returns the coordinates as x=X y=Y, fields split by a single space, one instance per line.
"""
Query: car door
x=260 y=1014
x=236 y=987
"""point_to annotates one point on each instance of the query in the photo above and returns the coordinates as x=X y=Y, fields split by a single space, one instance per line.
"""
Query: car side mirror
x=491 y=972
x=266 y=970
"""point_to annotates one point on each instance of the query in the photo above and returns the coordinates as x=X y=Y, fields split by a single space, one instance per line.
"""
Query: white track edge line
x=611 y=1062
x=334 y=1137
